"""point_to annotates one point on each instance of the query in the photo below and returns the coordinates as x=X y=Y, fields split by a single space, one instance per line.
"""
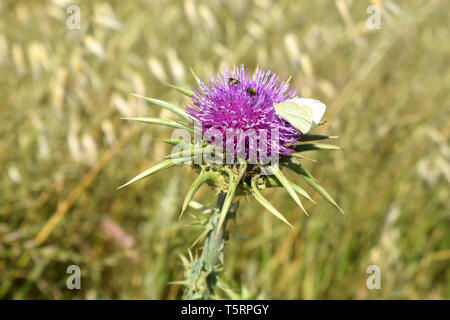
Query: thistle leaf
x=232 y=185
x=172 y=142
x=315 y=137
x=266 y=204
x=156 y=168
x=273 y=182
x=162 y=122
x=301 y=191
x=184 y=260
x=165 y=105
x=299 y=155
x=299 y=169
x=178 y=283
x=175 y=142
x=191 y=152
x=187 y=92
x=202 y=178
x=197 y=78
x=316 y=146
x=200 y=237
x=287 y=185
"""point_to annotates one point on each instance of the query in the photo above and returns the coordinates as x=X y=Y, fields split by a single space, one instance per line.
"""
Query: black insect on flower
x=251 y=91
x=233 y=81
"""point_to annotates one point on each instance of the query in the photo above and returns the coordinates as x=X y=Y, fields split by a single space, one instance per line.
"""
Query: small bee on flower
x=233 y=81
x=251 y=91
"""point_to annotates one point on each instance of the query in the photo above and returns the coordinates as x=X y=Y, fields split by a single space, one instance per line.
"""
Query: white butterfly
x=302 y=113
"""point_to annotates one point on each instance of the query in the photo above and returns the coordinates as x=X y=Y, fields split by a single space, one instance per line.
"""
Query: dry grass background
x=64 y=149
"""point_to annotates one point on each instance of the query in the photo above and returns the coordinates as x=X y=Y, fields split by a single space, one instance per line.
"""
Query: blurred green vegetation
x=64 y=149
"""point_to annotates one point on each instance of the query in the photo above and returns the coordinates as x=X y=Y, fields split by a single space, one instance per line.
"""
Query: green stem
x=201 y=275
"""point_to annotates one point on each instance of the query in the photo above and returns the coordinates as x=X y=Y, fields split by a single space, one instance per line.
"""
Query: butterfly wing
x=316 y=106
x=302 y=113
x=297 y=114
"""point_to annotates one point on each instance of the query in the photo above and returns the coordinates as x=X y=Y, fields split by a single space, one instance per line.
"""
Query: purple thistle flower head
x=236 y=101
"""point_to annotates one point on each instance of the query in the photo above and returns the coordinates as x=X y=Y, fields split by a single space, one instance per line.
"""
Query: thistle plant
x=238 y=132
